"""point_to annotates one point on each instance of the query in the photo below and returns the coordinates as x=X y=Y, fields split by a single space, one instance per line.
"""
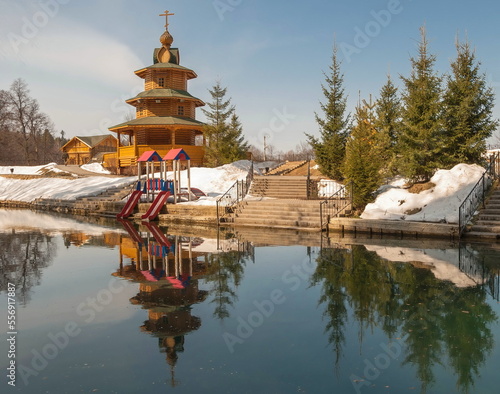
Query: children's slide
x=131 y=231
x=156 y=206
x=130 y=205
x=158 y=234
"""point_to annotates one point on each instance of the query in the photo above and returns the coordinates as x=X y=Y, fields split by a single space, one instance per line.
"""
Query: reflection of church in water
x=168 y=269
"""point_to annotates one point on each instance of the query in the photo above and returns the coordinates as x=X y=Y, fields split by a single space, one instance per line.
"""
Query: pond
x=103 y=306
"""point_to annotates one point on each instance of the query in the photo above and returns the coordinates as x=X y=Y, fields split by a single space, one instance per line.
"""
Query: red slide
x=158 y=234
x=155 y=207
x=131 y=231
x=130 y=205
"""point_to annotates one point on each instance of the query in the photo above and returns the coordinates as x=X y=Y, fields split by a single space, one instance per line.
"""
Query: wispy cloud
x=74 y=50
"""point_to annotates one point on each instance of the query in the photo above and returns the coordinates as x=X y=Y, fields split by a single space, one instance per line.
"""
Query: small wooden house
x=81 y=150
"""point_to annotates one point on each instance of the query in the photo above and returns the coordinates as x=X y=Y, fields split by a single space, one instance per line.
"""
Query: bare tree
x=22 y=123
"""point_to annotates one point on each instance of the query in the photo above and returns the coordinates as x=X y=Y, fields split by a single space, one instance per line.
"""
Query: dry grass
x=417 y=188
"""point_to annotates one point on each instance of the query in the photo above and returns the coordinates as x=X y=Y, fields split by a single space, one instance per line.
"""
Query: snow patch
x=95 y=167
x=438 y=204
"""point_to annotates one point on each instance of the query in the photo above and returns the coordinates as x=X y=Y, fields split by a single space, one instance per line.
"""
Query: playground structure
x=156 y=190
x=154 y=255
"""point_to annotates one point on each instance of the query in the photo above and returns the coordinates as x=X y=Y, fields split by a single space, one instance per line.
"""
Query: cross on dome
x=166 y=15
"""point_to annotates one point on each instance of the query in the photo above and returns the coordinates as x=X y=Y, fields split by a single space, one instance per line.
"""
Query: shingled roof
x=91 y=141
x=169 y=93
x=159 y=121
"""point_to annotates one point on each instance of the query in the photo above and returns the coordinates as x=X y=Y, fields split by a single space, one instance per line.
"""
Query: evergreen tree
x=420 y=146
x=234 y=146
x=388 y=125
x=363 y=160
x=223 y=132
x=334 y=128
x=468 y=107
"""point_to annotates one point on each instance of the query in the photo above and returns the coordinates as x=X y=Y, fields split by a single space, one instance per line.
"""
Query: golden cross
x=166 y=14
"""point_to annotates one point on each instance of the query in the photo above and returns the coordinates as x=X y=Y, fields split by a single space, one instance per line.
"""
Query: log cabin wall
x=166 y=107
x=172 y=79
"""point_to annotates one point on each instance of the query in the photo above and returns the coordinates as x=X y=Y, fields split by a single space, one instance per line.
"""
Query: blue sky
x=78 y=56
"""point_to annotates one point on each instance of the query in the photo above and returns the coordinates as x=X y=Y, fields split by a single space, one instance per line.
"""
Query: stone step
x=283 y=193
x=482 y=235
x=488 y=223
x=488 y=212
x=487 y=229
x=282 y=202
x=279 y=211
x=277 y=223
x=268 y=218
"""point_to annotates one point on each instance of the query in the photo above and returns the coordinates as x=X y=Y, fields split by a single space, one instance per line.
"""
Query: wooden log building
x=82 y=149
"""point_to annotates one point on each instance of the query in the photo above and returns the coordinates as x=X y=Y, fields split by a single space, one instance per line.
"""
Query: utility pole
x=265 y=147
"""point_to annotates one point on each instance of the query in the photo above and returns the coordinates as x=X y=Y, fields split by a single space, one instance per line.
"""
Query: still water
x=113 y=307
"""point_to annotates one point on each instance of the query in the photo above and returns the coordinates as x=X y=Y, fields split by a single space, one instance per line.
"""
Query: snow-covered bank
x=213 y=181
x=441 y=203
x=29 y=170
x=28 y=190
x=25 y=220
x=442 y=263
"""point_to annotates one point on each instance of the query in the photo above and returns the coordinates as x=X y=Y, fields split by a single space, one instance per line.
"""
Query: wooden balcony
x=128 y=155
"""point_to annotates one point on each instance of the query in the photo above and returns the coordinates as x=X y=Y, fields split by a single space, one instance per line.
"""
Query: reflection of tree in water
x=22 y=257
x=438 y=320
x=225 y=272
x=330 y=270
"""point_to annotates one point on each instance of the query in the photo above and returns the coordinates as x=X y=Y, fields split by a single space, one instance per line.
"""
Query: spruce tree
x=234 y=147
x=223 y=131
x=388 y=125
x=420 y=144
x=363 y=160
x=468 y=107
x=329 y=150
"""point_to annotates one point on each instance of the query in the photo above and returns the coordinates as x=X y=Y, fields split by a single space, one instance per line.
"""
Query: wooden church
x=165 y=111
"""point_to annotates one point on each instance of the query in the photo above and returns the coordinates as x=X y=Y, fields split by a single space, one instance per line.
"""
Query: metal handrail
x=477 y=195
x=333 y=206
x=237 y=192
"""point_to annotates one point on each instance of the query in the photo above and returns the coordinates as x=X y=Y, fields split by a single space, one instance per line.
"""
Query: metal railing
x=477 y=196
x=338 y=203
x=226 y=204
x=473 y=265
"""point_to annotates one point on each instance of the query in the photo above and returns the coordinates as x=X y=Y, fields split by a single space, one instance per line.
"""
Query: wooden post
x=174 y=167
x=189 y=180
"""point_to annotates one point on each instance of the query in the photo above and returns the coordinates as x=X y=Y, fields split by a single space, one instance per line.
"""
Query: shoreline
x=206 y=216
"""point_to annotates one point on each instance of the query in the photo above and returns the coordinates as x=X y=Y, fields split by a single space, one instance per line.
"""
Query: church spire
x=166 y=38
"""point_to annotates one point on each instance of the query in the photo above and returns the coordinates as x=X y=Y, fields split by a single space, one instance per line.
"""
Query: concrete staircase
x=287 y=167
x=279 y=213
x=112 y=194
x=283 y=187
x=487 y=225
